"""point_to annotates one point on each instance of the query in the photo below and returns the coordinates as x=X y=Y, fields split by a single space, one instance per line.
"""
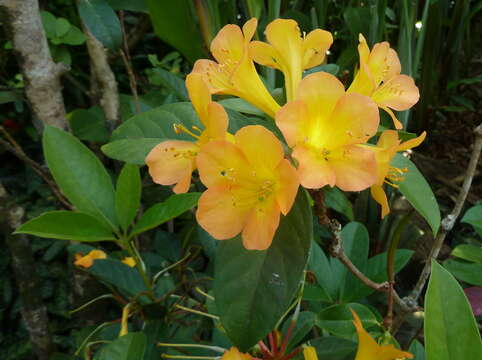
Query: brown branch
x=449 y=221
x=41 y=74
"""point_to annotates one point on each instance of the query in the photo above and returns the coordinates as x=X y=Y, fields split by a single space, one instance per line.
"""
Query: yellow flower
x=249 y=184
x=289 y=52
x=234 y=72
x=88 y=260
x=379 y=77
x=309 y=353
x=323 y=126
x=368 y=349
x=129 y=261
x=173 y=161
x=388 y=145
x=235 y=354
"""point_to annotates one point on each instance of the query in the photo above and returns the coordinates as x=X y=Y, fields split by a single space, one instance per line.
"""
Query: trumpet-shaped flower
x=289 y=52
x=323 y=126
x=235 y=354
x=173 y=161
x=249 y=183
x=87 y=261
x=368 y=349
x=234 y=72
x=388 y=145
x=379 y=77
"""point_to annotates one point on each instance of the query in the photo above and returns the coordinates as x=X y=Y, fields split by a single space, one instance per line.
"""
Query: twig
x=12 y=146
x=449 y=221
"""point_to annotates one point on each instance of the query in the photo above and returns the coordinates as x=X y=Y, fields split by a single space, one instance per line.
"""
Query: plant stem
x=139 y=265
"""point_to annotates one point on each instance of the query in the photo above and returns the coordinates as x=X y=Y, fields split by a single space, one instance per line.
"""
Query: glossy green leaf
x=89 y=124
x=128 y=195
x=338 y=319
x=468 y=252
x=79 y=174
x=320 y=266
x=174 y=22
x=334 y=348
x=254 y=288
x=451 y=332
x=48 y=22
x=158 y=214
x=128 y=347
x=170 y=81
x=62 y=26
x=418 y=192
x=305 y=323
x=73 y=37
x=67 y=225
x=473 y=216
x=335 y=199
x=242 y=106
x=131 y=151
x=465 y=271
x=130 y=5
x=101 y=21
x=417 y=350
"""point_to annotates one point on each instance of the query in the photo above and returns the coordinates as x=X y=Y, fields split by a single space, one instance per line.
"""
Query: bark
x=40 y=73
x=34 y=311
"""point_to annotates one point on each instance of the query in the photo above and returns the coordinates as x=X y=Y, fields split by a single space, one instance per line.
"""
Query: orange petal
x=294 y=122
x=88 y=260
x=261 y=225
x=219 y=214
x=388 y=139
x=221 y=162
x=355 y=168
x=216 y=123
x=199 y=94
x=262 y=149
x=398 y=125
x=412 y=142
x=249 y=28
x=377 y=61
x=289 y=183
x=315 y=45
x=235 y=354
x=393 y=65
x=209 y=71
x=264 y=54
x=399 y=93
x=172 y=162
x=380 y=197
x=228 y=45
x=314 y=171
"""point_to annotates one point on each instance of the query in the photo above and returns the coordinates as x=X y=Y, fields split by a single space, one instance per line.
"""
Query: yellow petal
x=388 y=139
x=228 y=44
x=249 y=28
x=288 y=185
x=315 y=45
x=399 y=93
x=129 y=261
x=363 y=82
x=380 y=197
x=354 y=168
x=398 y=125
x=216 y=123
x=262 y=149
x=88 y=260
x=264 y=54
x=377 y=61
x=198 y=94
x=409 y=144
x=235 y=354
x=309 y=353
x=363 y=49
x=219 y=214
x=261 y=225
x=294 y=122
x=172 y=162
x=393 y=66
x=313 y=170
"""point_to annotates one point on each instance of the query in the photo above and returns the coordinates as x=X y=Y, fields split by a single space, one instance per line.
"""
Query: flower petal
x=264 y=54
x=228 y=45
x=378 y=194
x=219 y=214
x=355 y=168
x=409 y=144
x=199 y=94
x=216 y=123
x=212 y=75
x=294 y=122
x=313 y=170
x=398 y=125
x=262 y=149
x=315 y=45
x=377 y=61
x=249 y=29
x=393 y=65
x=399 y=93
x=261 y=225
x=235 y=354
x=288 y=186
x=172 y=162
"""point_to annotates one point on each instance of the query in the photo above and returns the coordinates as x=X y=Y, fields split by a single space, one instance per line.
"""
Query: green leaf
x=473 y=216
x=464 y=271
x=451 y=332
x=80 y=175
x=336 y=200
x=130 y=5
x=306 y=321
x=73 y=37
x=62 y=26
x=178 y=15
x=89 y=124
x=67 y=225
x=417 y=350
x=242 y=106
x=128 y=195
x=254 y=288
x=131 y=151
x=128 y=347
x=320 y=266
x=49 y=23
x=357 y=20
x=338 y=319
x=158 y=214
x=468 y=252
x=418 y=192
x=334 y=348
x=171 y=82
x=101 y=21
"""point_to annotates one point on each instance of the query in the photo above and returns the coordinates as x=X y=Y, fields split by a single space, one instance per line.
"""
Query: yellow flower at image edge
x=323 y=126
x=368 y=349
x=309 y=353
x=173 y=161
x=249 y=183
x=235 y=354
x=88 y=260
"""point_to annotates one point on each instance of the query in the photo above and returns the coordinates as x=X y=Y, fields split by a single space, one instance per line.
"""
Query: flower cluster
x=250 y=180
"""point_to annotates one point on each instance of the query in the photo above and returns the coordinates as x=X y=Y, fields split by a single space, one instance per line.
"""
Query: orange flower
x=249 y=183
x=289 y=52
x=129 y=261
x=88 y=260
x=368 y=349
x=323 y=126
x=235 y=354
x=234 y=72
x=388 y=145
x=379 y=77
x=173 y=161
